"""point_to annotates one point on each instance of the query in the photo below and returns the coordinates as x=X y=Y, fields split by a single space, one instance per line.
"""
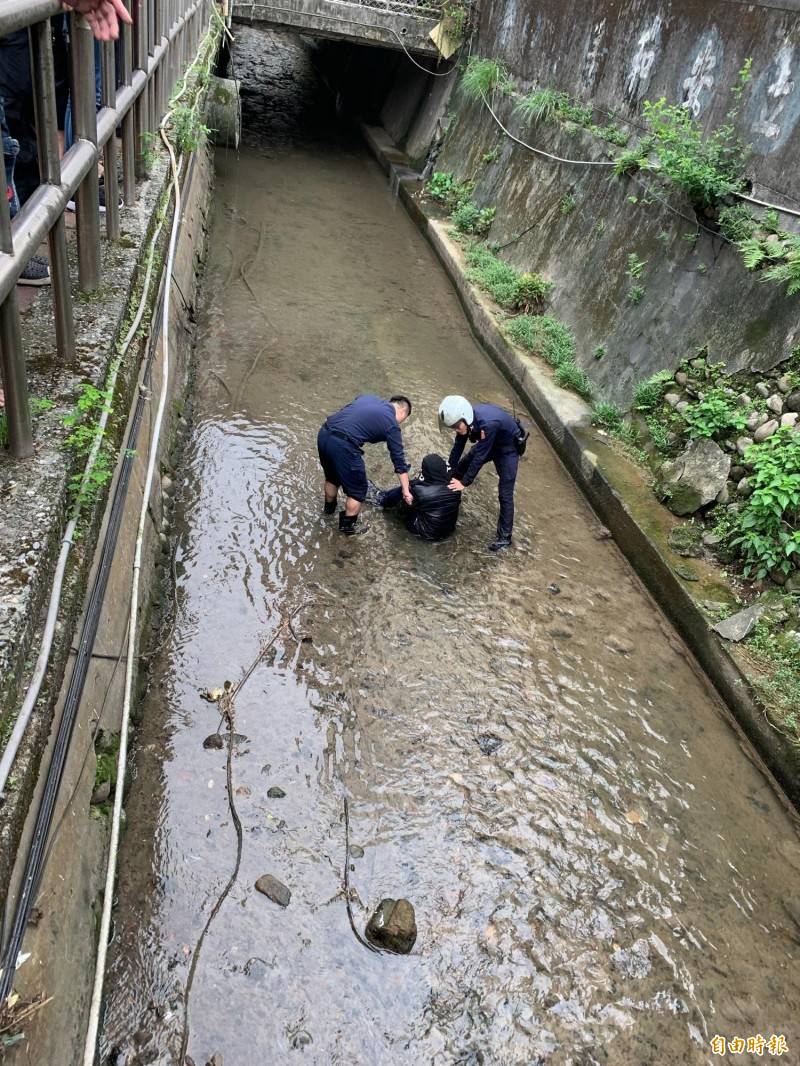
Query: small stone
x=737 y=472
x=554 y=588
x=215 y=741
x=682 y=406
x=742 y=444
x=602 y=534
x=698 y=364
x=672 y=398
x=744 y=488
x=356 y=851
x=762 y=389
x=789 y=420
x=793 y=401
x=167 y=486
x=681 y=377
x=739 y=625
x=684 y=539
x=765 y=431
x=301 y=1039
x=793 y=582
x=754 y=420
x=393 y=926
x=744 y=400
x=615 y=644
x=778 y=577
x=686 y=573
x=275 y=792
x=101 y=793
x=712 y=540
x=488 y=743
x=724 y=495
x=215 y=1060
x=274 y=889
x=775 y=404
x=784 y=384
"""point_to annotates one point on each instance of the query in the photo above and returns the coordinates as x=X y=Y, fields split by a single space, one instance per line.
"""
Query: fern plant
x=541 y=105
x=787 y=272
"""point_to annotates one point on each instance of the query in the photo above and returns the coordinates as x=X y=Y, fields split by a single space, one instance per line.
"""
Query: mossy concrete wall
x=578 y=225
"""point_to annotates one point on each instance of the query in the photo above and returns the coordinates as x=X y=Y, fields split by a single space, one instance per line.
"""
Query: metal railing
x=153 y=53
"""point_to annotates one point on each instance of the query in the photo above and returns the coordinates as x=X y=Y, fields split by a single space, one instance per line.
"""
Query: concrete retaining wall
x=577 y=225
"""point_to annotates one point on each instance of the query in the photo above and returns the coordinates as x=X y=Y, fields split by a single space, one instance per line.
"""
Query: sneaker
x=499 y=544
x=71 y=203
x=37 y=272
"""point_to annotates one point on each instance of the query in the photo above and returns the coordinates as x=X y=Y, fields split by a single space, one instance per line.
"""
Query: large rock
x=393 y=926
x=767 y=430
x=741 y=624
x=793 y=401
x=696 y=477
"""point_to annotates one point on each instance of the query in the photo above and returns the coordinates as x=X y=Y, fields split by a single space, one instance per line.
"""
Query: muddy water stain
x=597 y=869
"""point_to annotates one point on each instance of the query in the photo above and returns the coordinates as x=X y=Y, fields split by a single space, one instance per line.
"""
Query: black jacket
x=434 y=513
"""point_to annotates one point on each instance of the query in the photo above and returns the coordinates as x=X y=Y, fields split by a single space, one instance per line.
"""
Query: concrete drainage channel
x=625 y=505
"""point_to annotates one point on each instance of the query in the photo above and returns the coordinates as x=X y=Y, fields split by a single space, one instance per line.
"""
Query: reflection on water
x=599 y=873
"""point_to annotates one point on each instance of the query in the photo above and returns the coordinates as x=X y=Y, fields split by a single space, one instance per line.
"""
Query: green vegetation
x=737 y=222
x=570 y=376
x=545 y=336
x=607 y=415
x=506 y=285
x=715 y=415
x=83 y=424
x=635 y=294
x=766 y=532
x=448 y=190
x=781 y=251
x=38 y=405
x=491 y=156
x=455 y=15
x=650 y=393
x=777 y=653
x=635 y=266
x=483 y=76
x=469 y=218
x=541 y=105
x=568 y=204
x=600 y=351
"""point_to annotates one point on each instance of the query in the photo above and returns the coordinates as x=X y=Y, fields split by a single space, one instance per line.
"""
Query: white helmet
x=455 y=409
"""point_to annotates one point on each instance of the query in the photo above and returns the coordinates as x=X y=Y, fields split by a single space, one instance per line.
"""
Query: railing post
x=142 y=105
x=110 y=180
x=87 y=198
x=44 y=100
x=12 y=358
x=128 y=123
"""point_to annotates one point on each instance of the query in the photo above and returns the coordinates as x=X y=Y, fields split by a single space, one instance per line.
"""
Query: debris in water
x=214 y=741
x=602 y=533
x=635 y=818
x=275 y=792
x=212 y=695
x=356 y=851
x=554 y=588
x=488 y=743
x=215 y=1060
x=273 y=888
x=393 y=926
x=301 y=1039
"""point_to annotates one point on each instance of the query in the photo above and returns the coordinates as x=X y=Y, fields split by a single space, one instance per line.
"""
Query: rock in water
x=214 y=741
x=696 y=477
x=393 y=926
x=488 y=743
x=273 y=888
x=275 y=793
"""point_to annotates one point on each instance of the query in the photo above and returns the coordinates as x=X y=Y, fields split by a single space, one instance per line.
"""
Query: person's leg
x=506 y=466
x=332 y=481
x=355 y=486
x=391 y=497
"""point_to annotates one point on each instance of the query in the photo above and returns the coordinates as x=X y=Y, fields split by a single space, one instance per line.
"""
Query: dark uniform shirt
x=370 y=420
x=499 y=431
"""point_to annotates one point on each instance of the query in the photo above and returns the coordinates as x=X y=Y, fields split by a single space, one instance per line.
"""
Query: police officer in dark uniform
x=496 y=436
x=434 y=512
x=340 y=442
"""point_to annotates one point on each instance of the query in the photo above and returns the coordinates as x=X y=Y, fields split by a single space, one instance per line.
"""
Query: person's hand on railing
x=103 y=16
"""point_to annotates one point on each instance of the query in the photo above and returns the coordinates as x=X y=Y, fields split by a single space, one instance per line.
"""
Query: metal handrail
x=155 y=51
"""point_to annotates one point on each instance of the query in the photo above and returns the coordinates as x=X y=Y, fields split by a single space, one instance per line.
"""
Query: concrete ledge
x=614 y=488
x=342 y=21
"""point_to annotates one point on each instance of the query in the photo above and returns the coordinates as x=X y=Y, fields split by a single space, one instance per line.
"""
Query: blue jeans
x=10 y=153
x=391 y=496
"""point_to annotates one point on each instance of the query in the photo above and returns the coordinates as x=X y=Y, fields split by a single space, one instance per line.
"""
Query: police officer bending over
x=434 y=512
x=497 y=436
x=340 y=442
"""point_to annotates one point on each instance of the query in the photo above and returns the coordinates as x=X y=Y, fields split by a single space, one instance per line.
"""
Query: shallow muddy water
x=599 y=872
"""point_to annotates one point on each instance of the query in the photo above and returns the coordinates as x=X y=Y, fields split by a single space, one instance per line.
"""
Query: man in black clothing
x=434 y=511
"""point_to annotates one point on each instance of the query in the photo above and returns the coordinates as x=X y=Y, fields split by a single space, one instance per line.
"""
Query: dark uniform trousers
x=506 y=463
